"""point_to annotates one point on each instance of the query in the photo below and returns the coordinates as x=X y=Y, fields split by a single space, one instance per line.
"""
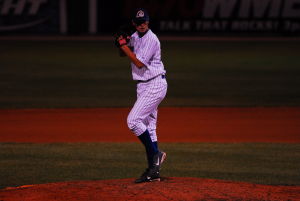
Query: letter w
x=225 y=8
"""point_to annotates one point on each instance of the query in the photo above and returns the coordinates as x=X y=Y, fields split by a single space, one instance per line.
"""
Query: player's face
x=142 y=28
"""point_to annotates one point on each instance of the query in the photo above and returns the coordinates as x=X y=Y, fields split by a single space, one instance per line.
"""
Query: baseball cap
x=140 y=16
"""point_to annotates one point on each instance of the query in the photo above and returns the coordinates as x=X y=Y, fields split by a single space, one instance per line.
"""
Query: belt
x=162 y=77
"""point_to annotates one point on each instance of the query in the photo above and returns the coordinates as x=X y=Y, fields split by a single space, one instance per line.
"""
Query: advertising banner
x=198 y=17
x=29 y=16
x=221 y=16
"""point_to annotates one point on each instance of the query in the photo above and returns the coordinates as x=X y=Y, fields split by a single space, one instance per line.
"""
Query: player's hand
x=124 y=32
x=120 y=41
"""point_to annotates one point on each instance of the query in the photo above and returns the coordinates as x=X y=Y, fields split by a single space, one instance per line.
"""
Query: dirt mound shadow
x=168 y=189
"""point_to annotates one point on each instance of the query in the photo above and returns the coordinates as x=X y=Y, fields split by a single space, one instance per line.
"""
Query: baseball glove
x=123 y=34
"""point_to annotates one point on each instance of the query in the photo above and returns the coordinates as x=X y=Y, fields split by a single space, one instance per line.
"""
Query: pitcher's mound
x=167 y=189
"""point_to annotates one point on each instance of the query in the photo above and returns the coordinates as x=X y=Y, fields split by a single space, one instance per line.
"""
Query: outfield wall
x=181 y=17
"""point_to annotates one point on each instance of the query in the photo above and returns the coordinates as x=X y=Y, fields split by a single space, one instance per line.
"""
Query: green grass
x=85 y=74
x=263 y=163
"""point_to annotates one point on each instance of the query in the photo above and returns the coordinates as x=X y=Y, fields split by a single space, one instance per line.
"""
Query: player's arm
x=127 y=51
x=122 y=44
x=122 y=53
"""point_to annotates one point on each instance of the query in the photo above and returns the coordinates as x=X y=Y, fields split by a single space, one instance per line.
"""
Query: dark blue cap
x=140 y=16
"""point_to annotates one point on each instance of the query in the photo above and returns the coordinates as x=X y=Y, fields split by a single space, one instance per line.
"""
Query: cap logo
x=140 y=13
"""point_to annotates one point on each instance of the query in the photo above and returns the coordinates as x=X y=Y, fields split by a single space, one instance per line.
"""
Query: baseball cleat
x=159 y=158
x=150 y=174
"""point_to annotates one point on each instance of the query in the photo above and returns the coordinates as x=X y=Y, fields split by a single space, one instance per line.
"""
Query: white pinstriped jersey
x=147 y=50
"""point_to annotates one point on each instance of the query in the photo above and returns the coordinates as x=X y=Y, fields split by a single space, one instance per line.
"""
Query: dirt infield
x=168 y=189
x=175 y=125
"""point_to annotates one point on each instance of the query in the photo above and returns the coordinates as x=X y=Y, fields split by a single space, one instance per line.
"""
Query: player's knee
x=136 y=126
x=131 y=123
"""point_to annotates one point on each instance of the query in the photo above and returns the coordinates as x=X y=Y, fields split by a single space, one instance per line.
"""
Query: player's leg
x=149 y=97
x=151 y=120
x=137 y=123
x=150 y=123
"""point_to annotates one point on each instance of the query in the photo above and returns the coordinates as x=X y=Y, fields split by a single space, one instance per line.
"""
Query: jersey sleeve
x=149 y=48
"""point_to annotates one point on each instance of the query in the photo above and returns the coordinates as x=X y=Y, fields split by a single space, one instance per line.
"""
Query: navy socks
x=155 y=144
x=151 y=147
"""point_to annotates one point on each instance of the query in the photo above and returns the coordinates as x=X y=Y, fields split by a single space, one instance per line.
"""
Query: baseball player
x=143 y=50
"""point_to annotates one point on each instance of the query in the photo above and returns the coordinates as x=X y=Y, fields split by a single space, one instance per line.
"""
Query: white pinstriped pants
x=143 y=115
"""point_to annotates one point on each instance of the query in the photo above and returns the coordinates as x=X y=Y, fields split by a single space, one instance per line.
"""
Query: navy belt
x=162 y=77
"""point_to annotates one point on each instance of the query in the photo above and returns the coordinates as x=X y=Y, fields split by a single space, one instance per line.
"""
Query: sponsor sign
x=29 y=16
x=200 y=16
